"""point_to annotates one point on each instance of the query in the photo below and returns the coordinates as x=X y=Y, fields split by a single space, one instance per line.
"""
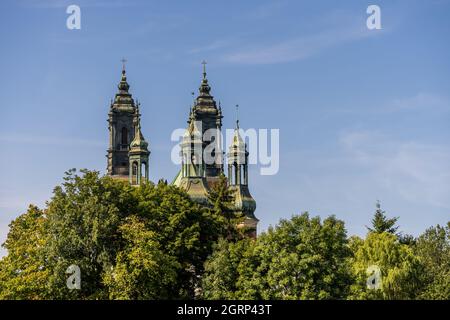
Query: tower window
x=124 y=135
x=134 y=173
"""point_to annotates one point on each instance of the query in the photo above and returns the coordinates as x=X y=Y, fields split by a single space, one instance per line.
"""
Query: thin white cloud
x=265 y=10
x=215 y=45
x=298 y=48
x=429 y=102
x=421 y=101
x=417 y=172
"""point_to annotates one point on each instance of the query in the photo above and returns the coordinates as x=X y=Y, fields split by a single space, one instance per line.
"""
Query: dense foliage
x=129 y=242
x=299 y=259
x=153 y=242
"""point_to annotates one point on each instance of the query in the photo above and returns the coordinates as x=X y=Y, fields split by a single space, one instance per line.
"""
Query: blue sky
x=363 y=114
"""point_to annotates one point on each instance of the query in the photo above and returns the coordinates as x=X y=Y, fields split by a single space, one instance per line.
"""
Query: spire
x=204 y=69
x=238 y=148
x=204 y=86
x=123 y=64
x=123 y=84
x=123 y=99
x=138 y=142
x=237 y=117
x=138 y=156
x=204 y=99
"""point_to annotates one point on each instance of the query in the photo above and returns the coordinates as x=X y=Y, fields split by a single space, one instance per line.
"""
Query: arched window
x=124 y=136
x=143 y=170
x=134 y=173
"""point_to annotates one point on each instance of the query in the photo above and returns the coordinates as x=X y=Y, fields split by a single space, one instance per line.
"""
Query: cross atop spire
x=237 y=116
x=124 y=61
x=204 y=69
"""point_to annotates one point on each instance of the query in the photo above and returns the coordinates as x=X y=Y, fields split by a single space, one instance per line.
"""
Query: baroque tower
x=138 y=157
x=209 y=117
x=124 y=123
x=244 y=203
x=198 y=175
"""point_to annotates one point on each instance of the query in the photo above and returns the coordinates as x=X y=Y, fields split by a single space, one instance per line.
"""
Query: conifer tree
x=380 y=222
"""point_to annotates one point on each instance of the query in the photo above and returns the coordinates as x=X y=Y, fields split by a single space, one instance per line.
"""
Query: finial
x=137 y=131
x=237 y=116
x=204 y=69
x=123 y=64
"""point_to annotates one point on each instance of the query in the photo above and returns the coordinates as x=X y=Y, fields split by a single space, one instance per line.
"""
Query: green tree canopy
x=142 y=269
x=301 y=258
x=398 y=265
x=153 y=242
x=22 y=272
x=90 y=222
x=433 y=250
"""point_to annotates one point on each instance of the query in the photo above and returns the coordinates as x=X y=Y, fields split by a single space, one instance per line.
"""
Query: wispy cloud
x=420 y=101
x=297 y=48
x=416 y=171
x=331 y=29
x=265 y=10
x=429 y=102
x=215 y=45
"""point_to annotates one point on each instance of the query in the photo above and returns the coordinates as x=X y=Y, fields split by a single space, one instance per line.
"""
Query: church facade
x=201 y=154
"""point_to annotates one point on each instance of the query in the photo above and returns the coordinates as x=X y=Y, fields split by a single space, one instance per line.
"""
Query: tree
x=398 y=265
x=221 y=201
x=304 y=258
x=142 y=269
x=301 y=258
x=90 y=222
x=183 y=229
x=380 y=223
x=433 y=250
x=23 y=272
x=83 y=219
x=222 y=277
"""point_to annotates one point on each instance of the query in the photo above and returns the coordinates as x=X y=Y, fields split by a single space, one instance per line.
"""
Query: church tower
x=122 y=119
x=244 y=203
x=202 y=138
x=138 y=157
x=209 y=117
x=192 y=177
x=197 y=175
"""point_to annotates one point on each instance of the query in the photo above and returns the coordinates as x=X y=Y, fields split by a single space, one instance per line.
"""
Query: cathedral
x=128 y=153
